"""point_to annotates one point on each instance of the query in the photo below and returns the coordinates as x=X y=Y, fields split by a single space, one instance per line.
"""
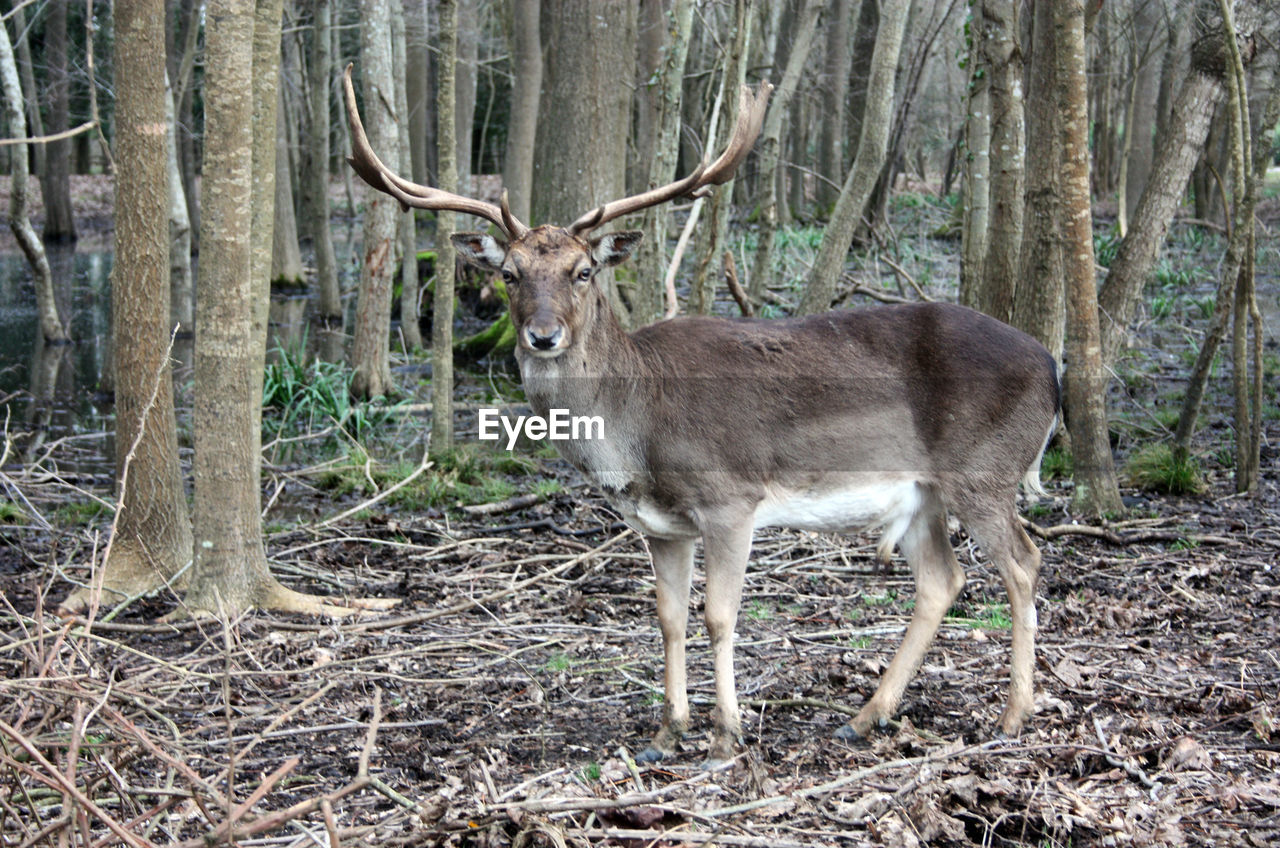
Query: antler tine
x=751 y=111
x=511 y=223
x=750 y=119
x=372 y=170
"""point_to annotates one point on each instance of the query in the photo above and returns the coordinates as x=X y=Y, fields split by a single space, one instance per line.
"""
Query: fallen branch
x=510 y=504
x=1121 y=539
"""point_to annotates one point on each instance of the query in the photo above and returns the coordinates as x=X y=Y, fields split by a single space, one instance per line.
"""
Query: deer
x=885 y=418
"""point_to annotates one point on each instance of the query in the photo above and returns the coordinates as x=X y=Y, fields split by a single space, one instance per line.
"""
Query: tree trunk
x=1193 y=112
x=418 y=85
x=286 y=255
x=1039 y=302
x=370 y=353
x=51 y=325
x=1139 y=136
x=446 y=223
x=31 y=94
x=1238 y=243
x=408 y=220
x=522 y=126
x=230 y=570
x=55 y=182
x=581 y=156
x=835 y=88
x=770 y=142
x=151 y=538
x=465 y=82
x=651 y=254
x=864 y=46
x=1096 y=491
x=702 y=295
x=820 y=290
x=317 y=173
x=181 y=290
x=1003 y=63
x=975 y=197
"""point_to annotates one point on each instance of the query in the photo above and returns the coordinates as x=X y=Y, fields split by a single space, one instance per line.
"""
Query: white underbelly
x=891 y=504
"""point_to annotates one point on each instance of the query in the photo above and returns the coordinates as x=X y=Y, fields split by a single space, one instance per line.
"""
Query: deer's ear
x=480 y=249
x=614 y=248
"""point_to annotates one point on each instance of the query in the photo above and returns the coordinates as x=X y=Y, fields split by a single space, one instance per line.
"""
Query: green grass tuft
x=1159 y=468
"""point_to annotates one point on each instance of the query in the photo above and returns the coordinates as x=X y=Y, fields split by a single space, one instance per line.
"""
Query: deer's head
x=549 y=270
x=549 y=273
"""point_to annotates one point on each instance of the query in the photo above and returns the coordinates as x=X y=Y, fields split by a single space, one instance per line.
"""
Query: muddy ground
x=498 y=704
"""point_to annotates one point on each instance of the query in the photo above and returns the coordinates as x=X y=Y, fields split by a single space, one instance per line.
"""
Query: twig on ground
x=510 y=504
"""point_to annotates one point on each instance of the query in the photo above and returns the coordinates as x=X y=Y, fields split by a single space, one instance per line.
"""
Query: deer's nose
x=543 y=340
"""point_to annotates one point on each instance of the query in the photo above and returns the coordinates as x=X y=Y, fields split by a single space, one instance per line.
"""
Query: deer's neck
x=604 y=375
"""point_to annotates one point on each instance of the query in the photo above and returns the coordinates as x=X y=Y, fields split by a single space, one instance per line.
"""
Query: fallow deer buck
x=883 y=417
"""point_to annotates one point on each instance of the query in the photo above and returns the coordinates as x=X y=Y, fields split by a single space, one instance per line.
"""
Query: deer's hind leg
x=1016 y=557
x=939 y=579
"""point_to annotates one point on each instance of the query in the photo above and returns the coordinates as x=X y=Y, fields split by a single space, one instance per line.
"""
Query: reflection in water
x=56 y=392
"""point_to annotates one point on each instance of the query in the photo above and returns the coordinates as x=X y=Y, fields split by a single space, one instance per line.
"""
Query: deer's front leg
x=673 y=568
x=726 y=548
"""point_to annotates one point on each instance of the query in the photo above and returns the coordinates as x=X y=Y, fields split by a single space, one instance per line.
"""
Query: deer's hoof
x=847 y=734
x=649 y=755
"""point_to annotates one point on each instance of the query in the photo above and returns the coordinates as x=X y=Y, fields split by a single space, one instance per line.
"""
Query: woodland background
x=275 y=376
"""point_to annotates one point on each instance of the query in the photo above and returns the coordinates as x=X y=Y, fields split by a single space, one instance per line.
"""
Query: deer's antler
x=371 y=169
x=751 y=109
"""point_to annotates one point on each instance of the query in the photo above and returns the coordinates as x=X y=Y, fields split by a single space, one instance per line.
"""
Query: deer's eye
x=584 y=275
x=508 y=277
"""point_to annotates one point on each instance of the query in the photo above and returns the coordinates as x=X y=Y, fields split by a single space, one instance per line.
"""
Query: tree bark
x=522 y=126
x=55 y=182
x=770 y=141
x=976 y=193
x=821 y=288
x=1139 y=135
x=408 y=220
x=51 y=324
x=418 y=86
x=1096 y=491
x=181 y=289
x=446 y=223
x=465 y=83
x=31 y=93
x=1039 y=306
x=835 y=88
x=1003 y=63
x=286 y=255
x=651 y=254
x=702 y=293
x=370 y=354
x=317 y=172
x=230 y=569
x=581 y=156
x=151 y=539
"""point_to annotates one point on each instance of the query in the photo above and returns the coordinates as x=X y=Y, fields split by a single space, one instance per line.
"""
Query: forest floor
x=501 y=701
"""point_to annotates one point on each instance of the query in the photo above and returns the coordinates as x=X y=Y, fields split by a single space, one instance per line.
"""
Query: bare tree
x=286 y=255
x=1096 y=491
x=408 y=222
x=1177 y=154
x=51 y=325
x=872 y=143
x=55 y=182
x=522 y=126
x=370 y=353
x=581 y=155
x=646 y=302
x=152 y=531
x=465 y=80
x=835 y=88
x=770 y=140
x=446 y=224
x=1039 y=302
x=316 y=175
